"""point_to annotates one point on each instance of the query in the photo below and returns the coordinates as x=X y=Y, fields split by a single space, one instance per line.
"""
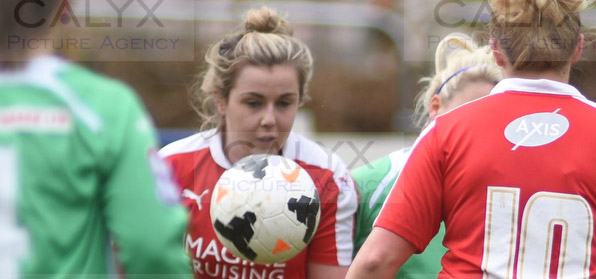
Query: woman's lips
x=267 y=140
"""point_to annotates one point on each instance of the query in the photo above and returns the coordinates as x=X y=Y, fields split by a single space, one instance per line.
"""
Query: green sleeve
x=384 y=172
x=140 y=201
x=368 y=178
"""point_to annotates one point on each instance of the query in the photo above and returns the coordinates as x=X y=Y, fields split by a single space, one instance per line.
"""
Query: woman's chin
x=264 y=151
x=269 y=147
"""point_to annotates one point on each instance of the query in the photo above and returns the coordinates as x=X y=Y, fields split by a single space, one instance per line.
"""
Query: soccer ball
x=265 y=208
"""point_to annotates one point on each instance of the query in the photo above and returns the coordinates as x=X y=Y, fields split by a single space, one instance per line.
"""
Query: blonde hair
x=458 y=60
x=265 y=39
x=537 y=35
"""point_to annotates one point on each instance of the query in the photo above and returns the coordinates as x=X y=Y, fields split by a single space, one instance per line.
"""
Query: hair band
x=453 y=75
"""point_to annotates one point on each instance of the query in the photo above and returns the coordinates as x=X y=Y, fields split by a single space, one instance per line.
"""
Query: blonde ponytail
x=445 y=47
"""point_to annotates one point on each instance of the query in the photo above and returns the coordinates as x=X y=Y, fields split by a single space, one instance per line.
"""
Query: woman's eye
x=284 y=103
x=252 y=104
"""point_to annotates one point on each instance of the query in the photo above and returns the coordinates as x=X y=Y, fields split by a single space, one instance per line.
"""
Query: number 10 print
x=548 y=219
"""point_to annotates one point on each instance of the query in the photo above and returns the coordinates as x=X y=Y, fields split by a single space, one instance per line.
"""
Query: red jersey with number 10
x=513 y=175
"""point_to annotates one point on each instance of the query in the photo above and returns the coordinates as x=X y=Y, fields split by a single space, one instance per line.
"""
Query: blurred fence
x=368 y=58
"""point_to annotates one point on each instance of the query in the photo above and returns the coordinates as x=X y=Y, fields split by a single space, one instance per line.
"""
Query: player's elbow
x=371 y=265
x=381 y=256
x=381 y=262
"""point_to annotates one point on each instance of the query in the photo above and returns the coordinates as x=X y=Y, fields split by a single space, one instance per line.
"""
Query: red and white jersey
x=513 y=175
x=198 y=161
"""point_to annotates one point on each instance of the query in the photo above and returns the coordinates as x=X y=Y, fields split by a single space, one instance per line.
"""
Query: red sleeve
x=170 y=160
x=413 y=209
x=332 y=244
x=187 y=166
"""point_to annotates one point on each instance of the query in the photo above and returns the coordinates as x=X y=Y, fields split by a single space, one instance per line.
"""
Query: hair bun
x=522 y=11
x=454 y=42
x=266 y=20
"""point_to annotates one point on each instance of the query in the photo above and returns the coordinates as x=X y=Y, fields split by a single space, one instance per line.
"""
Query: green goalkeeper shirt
x=80 y=178
x=375 y=181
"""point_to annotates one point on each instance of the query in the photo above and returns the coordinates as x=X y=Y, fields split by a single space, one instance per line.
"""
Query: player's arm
x=381 y=256
x=324 y=271
x=141 y=205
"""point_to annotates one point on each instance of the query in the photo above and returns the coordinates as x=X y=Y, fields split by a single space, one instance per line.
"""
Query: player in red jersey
x=511 y=174
x=249 y=95
x=464 y=72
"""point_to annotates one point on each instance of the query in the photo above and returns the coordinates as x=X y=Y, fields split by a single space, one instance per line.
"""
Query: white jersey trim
x=587 y=102
x=192 y=143
x=300 y=148
x=544 y=86
x=217 y=149
x=397 y=160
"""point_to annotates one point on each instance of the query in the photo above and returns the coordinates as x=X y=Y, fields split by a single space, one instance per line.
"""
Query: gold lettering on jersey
x=35 y=119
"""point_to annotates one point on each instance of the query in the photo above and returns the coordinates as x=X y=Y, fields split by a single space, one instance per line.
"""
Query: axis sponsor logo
x=536 y=129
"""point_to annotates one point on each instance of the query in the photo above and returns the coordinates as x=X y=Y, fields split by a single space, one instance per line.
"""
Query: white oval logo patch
x=536 y=129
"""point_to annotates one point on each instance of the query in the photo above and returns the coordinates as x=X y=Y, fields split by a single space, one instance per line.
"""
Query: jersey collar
x=216 y=148
x=39 y=65
x=544 y=86
x=292 y=147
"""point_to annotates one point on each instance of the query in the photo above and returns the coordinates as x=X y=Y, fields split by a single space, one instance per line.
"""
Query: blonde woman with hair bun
x=463 y=73
x=511 y=174
x=256 y=79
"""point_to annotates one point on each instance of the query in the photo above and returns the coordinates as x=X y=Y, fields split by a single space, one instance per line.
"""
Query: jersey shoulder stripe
x=586 y=101
x=307 y=151
x=300 y=148
x=398 y=160
x=189 y=144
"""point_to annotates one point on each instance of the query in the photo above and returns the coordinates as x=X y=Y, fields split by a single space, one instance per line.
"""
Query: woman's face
x=260 y=110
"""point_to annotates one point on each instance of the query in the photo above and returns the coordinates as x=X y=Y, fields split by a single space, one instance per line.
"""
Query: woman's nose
x=268 y=117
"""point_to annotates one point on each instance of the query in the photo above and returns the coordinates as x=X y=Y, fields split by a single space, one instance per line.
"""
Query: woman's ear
x=434 y=106
x=577 y=54
x=221 y=105
x=494 y=46
x=501 y=59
